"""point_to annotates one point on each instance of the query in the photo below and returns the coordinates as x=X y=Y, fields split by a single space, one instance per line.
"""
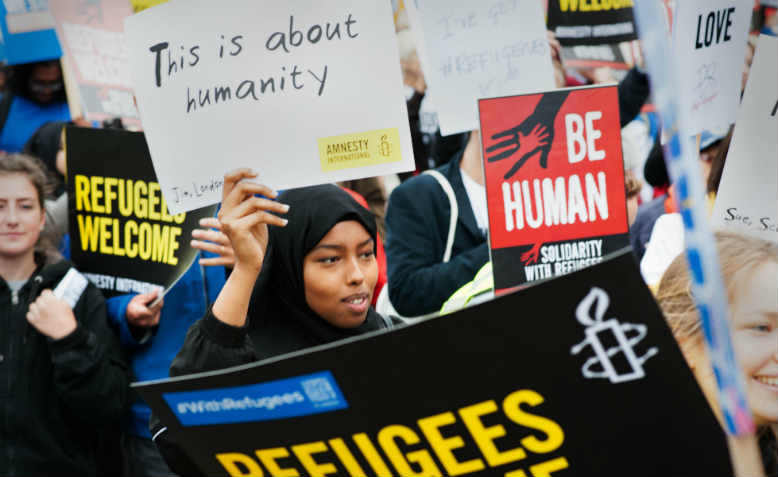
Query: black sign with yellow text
x=121 y=234
x=591 y=22
x=573 y=376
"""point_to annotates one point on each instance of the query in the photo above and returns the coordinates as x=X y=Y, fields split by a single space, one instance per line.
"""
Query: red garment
x=380 y=255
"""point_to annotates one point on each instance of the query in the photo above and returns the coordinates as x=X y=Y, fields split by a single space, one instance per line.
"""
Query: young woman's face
x=21 y=216
x=340 y=274
x=755 y=338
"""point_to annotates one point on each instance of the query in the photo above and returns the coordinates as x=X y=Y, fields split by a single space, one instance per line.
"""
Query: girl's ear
x=43 y=217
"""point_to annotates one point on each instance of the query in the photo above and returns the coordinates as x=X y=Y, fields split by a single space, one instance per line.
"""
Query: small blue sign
x=299 y=396
x=28 y=32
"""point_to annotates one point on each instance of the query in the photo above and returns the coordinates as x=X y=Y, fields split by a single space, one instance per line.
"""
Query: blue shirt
x=25 y=117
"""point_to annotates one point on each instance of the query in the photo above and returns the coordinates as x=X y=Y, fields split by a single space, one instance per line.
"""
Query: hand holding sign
x=245 y=217
x=143 y=310
x=51 y=316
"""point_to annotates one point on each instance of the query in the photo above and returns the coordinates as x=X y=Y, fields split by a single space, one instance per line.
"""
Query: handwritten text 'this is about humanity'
x=170 y=59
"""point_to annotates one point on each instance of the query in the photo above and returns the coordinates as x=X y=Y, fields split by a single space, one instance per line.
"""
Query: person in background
x=35 y=96
x=667 y=234
x=47 y=144
x=152 y=333
x=372 y=190
x=63 y=381
x=417 y=232
x=748 y=266
x=632 y=186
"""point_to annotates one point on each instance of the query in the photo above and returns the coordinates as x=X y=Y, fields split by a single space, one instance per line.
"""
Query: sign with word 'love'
x=709 y=43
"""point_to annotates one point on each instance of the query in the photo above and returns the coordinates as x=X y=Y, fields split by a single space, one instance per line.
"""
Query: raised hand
x=245 y=218
x=212 y=239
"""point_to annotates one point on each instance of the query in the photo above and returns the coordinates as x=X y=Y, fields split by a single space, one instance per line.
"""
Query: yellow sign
x=139 y=5
x=360 y=149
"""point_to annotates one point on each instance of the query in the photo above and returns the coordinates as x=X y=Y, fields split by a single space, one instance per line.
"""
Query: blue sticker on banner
x=299 y=396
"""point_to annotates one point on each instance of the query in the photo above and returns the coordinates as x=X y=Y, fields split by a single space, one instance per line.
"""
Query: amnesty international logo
x=599 y=331
x=368 y=148
x=385 y=148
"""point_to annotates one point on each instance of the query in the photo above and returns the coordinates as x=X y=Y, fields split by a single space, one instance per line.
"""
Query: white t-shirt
x=665 y=244
x=476 y=193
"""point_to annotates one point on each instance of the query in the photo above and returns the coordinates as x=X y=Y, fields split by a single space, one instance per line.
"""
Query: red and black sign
x=554 y=182
x=591 y=22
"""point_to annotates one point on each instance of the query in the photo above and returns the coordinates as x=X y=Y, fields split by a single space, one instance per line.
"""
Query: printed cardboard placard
x=122 y=235
x=302 y=92
x=709 y=43
x=489 y=390
x=140 y=5
x=27 y=32
x=92 y=37
x=474 y=50
x=585 y=22
x=554 y=182
x=747 y=193
x=614 y=56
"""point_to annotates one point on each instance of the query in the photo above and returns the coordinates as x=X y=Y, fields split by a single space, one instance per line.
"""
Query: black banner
x=121 y=234
x=591 y=22
x=577 y=375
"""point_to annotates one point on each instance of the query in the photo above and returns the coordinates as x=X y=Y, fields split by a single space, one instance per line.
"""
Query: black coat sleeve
x=210 y=344
x=90 y=374
x=419 y=283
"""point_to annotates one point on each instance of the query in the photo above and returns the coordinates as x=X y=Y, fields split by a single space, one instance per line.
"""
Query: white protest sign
x=480 y=49
x=303 y=92
x=709 y=42
x=92 y=36
x=747 y=199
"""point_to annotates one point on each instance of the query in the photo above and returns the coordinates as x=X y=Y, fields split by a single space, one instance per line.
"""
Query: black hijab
x=280 y=320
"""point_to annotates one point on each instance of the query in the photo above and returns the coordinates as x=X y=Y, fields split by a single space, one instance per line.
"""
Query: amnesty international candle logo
x=122 y=236
x=623 y=349
x=350 y=151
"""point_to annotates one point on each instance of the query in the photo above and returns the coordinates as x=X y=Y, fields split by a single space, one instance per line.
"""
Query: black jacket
x=417 y=222
x=56 y=397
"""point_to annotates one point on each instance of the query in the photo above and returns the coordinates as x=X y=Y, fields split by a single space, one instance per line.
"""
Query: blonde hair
x=739 y=257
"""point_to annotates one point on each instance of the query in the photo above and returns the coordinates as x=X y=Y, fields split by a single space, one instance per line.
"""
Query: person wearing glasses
x=35 y=96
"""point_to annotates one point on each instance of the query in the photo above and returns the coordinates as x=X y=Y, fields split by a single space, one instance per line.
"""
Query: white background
x=749 y=179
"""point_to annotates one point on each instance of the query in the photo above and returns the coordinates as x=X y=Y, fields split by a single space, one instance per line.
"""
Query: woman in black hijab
x=318 y=272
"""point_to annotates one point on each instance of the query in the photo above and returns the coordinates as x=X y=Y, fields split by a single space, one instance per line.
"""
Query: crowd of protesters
x=282 y=272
